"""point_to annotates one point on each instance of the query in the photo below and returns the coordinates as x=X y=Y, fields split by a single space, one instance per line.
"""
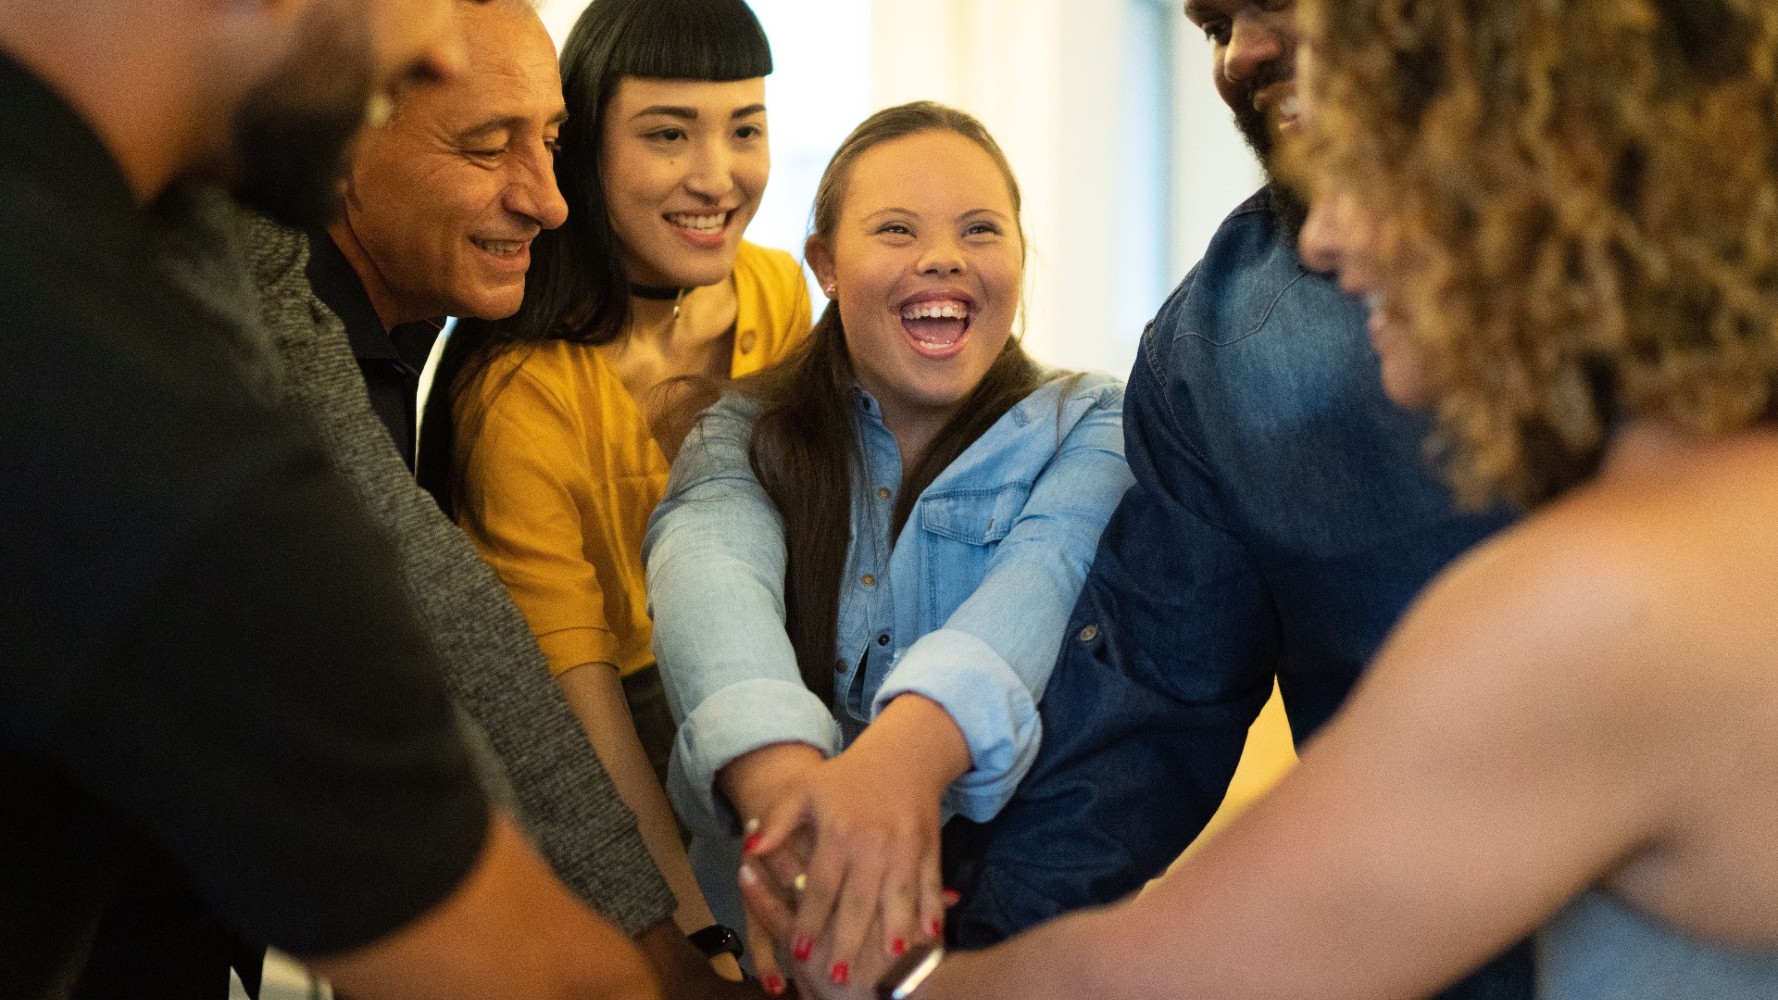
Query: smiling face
x=1342 y=236
x=684 y=164
x=1254 y=61
x=926 y=262
x=443 y=201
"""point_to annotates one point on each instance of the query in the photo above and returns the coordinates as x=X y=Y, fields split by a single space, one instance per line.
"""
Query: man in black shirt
x=206 y=669
x=441 y=205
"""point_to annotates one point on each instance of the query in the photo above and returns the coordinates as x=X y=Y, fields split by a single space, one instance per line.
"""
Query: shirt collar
x=338 y=287
x=867 y=403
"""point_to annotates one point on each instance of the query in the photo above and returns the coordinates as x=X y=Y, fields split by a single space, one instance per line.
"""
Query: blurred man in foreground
x=206 y=669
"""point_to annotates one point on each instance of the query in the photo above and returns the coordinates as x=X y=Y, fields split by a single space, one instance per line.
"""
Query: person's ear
x=820 y=260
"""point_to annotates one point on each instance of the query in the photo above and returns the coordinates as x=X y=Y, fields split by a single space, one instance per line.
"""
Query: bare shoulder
x=1632 y=598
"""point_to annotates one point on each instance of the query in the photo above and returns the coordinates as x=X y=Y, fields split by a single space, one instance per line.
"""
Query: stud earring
x=832 y=290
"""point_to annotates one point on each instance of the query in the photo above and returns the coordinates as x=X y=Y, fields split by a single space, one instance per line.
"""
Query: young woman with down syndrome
x=866 y=557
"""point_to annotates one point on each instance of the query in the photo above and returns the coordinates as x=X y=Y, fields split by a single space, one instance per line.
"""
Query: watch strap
x=715 y=940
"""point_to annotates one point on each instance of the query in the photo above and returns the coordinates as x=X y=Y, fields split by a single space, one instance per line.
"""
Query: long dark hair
x=577 y=288
x=804 y=448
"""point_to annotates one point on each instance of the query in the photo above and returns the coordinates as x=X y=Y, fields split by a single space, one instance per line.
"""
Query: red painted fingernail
x=898 y=947
x=751 y=844
x=935 y=928
x=774 y=985
x=951 y=897
x=840 y=974
x=803 y=948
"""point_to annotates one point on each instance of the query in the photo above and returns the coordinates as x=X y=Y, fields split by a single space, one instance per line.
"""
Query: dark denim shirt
x=1283 y=516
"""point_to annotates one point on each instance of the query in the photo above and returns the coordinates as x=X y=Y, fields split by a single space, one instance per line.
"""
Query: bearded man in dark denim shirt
x=1283 y=517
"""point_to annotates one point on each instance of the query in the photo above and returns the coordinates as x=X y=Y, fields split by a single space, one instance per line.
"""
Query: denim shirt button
x=839 y=666
x=868 y=580
x=883 y=640
x=1089 y=633
x=883 y=492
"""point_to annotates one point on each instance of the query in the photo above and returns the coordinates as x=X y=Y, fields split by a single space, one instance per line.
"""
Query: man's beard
x=293 y=131
x=1289 y=209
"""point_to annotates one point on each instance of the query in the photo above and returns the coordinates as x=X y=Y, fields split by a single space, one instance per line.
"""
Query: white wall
x=1126 y=156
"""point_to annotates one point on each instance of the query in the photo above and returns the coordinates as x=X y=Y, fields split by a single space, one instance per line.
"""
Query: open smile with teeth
x=501 y=248
x=936 y=325
x=708 y=224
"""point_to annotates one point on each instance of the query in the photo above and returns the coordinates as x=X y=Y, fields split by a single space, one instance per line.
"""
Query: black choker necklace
x=657 y=293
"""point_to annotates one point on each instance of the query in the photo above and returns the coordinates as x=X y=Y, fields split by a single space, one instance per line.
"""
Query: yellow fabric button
x=748 y=340
x=869 y=581
x=1089 y=633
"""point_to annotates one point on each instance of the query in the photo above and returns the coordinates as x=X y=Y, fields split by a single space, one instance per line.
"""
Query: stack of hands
x=841 y=873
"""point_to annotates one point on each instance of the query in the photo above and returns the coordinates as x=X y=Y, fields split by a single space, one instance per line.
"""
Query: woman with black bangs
x=549 y=437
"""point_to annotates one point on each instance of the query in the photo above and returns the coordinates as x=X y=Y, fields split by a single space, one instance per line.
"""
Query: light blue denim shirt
x=967 y=608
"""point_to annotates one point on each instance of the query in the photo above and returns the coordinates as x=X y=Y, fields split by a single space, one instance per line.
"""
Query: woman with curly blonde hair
x=1565 y=216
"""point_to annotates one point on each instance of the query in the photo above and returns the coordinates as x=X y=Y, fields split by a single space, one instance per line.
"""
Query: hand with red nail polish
x=872 y=815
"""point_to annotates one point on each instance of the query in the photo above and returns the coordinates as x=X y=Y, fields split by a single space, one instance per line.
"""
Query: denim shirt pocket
x=959 y=532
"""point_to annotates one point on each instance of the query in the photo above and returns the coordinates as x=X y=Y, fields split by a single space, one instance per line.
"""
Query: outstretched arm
x=1476 y=781
x=530 y=472
x=509 y=930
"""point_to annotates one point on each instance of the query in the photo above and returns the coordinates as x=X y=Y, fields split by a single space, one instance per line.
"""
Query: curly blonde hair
x=1578 y=205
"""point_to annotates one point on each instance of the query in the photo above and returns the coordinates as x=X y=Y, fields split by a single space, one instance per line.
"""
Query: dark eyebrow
x=670 y=111
x=507 y=123
x=691 y=114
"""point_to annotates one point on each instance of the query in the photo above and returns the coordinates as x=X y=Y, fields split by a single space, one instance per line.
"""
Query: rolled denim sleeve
x=715 y=558
x=988 y=666
x=1167 y=658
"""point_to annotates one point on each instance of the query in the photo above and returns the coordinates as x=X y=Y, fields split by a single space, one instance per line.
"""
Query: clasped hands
x=841 y=868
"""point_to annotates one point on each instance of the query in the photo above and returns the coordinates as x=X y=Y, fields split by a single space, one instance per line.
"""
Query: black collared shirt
x=206 y=667
x=391 y=360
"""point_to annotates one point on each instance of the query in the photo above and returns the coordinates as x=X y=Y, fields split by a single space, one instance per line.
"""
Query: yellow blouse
x=565 y=473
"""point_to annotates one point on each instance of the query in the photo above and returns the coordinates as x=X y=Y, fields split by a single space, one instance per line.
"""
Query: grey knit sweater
x=498 y=676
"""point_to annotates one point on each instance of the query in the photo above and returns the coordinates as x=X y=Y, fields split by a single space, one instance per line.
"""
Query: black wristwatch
x=716 y=940
x=909 y=971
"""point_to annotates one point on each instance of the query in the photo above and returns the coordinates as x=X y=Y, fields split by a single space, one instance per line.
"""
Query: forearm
x=752 y=781
x=595 y=693
x=1083 y=954
x=915 y=735
x=509 y=930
